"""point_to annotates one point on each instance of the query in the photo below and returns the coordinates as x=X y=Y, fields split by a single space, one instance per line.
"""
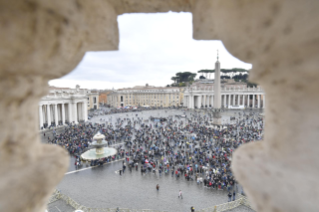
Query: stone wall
x=44 y=39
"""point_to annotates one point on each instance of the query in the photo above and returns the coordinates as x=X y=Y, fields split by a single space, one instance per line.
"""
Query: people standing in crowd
x=189 y=148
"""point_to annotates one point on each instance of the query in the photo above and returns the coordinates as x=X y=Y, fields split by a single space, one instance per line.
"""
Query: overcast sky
x=153 y=48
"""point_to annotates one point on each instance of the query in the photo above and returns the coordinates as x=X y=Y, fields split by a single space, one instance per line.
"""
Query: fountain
x=100 y=151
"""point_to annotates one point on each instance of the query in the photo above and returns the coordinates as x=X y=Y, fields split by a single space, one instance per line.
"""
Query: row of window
x=148 y=96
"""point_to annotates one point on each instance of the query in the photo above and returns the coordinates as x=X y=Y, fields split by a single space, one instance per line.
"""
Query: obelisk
x=217 y=96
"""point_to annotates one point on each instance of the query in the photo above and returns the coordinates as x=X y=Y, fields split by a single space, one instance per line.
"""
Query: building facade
x=201 y=95
x=146 y=96
x=93 y=100
x=103 y=97
x=63 y=106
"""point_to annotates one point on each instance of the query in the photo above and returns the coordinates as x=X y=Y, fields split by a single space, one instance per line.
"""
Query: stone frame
x=43 y=39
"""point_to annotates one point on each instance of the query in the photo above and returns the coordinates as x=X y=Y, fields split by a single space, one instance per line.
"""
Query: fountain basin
x=95 y=153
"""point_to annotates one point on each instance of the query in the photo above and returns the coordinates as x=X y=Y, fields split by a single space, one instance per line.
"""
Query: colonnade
x=54 y=114
x=249 y=100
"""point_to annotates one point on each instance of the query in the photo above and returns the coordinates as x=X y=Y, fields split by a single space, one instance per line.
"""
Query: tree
x=181 y=84
x=175 y=79
x=250 y=84
x=181 y=78
x=207 y=72
x=225 y=77
x=234 y=71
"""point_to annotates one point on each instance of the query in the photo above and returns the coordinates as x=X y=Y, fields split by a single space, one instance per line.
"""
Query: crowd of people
x=187 y=147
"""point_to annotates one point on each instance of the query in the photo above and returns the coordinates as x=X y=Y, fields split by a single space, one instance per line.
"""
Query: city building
x=62 y=106
x=146 y=96
x=93 y=100
x=103 y=97
x=201 y=95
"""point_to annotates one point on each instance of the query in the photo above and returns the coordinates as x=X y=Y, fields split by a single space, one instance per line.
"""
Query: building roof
x=147 y=88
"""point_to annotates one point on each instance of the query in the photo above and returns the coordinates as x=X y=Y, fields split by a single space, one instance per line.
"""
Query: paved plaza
x=103 y=187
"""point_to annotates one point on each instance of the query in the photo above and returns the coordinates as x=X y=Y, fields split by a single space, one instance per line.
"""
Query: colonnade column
x=258 y=100
x=190 y=102
x=49 y=114
x=229 y=97
x=264 y=101
x=41 y=116
x=212 y=100
x=184 y=101
x=254 y=101
x=193 y=101
x=221 y=100
x=225 y=96
x=247 y=100
x=63 y=114
x=76 y=117
x=78 y=110
x=205 y=99
x=56 y=114
x=244 y=100
x=75 y=113
x=44 y=115
x=70 y=112
x=199 y=101
x=85 y=111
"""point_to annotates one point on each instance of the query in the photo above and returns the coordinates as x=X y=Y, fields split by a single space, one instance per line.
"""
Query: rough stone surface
x=151 y=6
x=43 y=39
x=39 y=41
x=281 y=41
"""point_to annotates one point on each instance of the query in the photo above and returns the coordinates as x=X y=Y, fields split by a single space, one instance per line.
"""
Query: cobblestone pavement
x=59 y=206
x=241 y=208
x=102 y=187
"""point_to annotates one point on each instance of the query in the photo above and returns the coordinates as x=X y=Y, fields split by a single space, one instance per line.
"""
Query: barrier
x=57 y=195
